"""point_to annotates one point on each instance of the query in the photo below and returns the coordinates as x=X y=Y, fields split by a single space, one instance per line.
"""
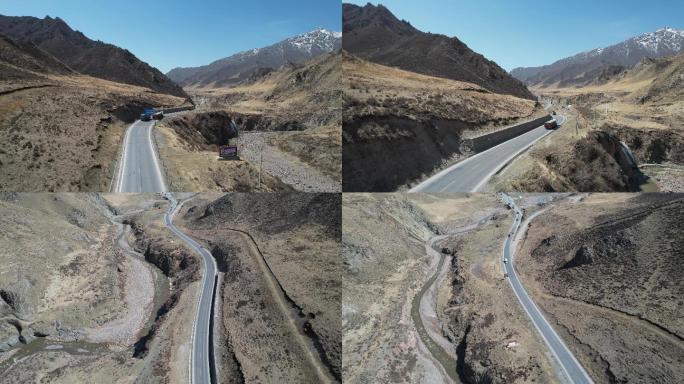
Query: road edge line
x=156 y=157
x=507 y=162
x=122 y=161
x=199 y=292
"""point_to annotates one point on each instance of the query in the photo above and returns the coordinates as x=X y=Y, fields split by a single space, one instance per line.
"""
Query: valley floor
x=405 y=319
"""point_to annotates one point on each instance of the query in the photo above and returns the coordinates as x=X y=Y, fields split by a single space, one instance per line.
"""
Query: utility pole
x=261 y=162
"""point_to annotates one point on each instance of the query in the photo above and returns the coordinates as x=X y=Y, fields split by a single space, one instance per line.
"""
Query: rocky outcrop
x=650 y=145
x=583 y=256
x=9 y=337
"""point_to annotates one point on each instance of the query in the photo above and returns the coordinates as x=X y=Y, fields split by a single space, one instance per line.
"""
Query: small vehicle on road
x=551 y=124
x=505 y=261
x=158 y=115
x=148 y=114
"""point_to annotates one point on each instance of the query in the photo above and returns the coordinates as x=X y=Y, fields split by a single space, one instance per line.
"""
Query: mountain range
x=375 y=34
x=242 y=66
x=603 y=63
x=72 y=48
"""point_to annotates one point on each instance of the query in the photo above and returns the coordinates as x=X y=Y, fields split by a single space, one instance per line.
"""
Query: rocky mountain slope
x=375 y=34
x=86 y=56
x=586 y=67
x=294 y=97
x=237 y=68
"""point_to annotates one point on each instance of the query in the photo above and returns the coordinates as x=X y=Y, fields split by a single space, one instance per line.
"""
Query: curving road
x=471 y=174
x=572 y=369
x=139 y=169
x=200 y=368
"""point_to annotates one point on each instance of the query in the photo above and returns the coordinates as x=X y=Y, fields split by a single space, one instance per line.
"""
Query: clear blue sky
x=182 y=33
x=517 y=33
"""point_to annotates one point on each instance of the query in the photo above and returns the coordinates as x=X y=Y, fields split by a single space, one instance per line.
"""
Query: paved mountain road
x=200 y=368
x=471 y=174
x=139 y=169
x=573 y=370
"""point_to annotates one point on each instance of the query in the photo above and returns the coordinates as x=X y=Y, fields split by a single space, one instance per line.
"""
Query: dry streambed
x=86 y=342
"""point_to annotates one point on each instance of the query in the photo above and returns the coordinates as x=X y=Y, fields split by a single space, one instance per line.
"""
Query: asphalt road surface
x=200 y=369
x=139 y=169
x=471 y=174
x=572 y=369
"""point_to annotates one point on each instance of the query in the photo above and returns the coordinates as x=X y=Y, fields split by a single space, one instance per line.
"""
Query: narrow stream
x=43 y=345
x=446 y=361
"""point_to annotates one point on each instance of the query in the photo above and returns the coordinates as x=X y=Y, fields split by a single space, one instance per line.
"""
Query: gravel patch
x=284 y=166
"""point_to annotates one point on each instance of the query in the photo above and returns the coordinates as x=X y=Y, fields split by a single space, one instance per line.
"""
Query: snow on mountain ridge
x=320 y=37
x=238 y=67
x=585 y=66
x=665 y=37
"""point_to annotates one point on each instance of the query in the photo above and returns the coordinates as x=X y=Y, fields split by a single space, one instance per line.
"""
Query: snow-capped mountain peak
x=238 y=67
x=664 y=38
x=320 y=38
x=581 y=67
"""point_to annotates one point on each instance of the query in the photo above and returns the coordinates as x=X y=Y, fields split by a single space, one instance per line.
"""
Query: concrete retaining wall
x=177 y=109
x=484 y=142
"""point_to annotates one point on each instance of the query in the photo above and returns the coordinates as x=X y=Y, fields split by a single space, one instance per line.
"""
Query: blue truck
x=151 y=113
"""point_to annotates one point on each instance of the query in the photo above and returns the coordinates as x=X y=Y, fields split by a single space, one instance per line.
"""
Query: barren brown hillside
x=604 y=269
x=403 y=325
x=61 y=131
x=375 y=34
x=94 y=58
x=394 y=117
x=271 y=246
x=93 y=288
